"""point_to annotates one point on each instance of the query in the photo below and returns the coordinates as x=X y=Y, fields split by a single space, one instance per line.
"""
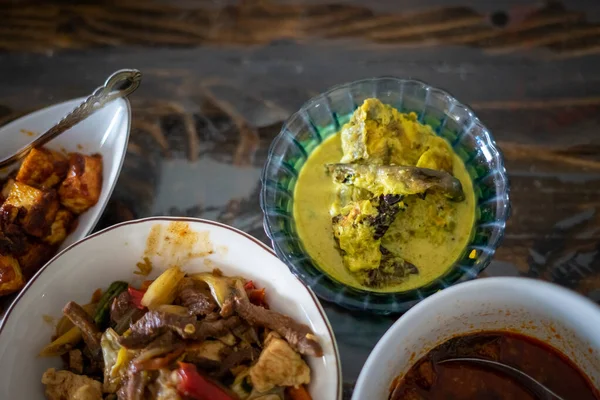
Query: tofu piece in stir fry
x=203 y=337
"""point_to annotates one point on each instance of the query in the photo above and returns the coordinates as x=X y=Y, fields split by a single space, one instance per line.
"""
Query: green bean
x=103 y=308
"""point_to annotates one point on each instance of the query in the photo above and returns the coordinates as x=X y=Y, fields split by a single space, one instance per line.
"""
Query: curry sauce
x=432 y=378
x=366 y=204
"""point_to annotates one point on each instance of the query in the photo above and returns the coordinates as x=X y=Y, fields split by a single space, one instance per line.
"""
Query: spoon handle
x=541 y=392
x=120 y=84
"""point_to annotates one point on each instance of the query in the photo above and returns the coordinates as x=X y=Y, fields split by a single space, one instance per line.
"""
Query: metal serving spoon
x=120 y=84
x=539 y=390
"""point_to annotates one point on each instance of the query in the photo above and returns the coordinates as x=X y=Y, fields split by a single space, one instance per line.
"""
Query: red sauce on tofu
x=7 y=274
x=428 y=379
x=39 y=206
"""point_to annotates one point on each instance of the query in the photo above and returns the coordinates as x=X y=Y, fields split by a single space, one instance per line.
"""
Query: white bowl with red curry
x=541 y=329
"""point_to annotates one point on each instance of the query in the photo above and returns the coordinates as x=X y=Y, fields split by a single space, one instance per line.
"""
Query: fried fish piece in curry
x=387 y=155
x=379 y=134
x=396 y=179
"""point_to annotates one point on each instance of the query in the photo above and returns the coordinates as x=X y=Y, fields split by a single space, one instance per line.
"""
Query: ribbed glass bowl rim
x=402 y=301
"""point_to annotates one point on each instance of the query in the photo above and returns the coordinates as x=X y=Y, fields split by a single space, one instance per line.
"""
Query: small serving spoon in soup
x=539 y=390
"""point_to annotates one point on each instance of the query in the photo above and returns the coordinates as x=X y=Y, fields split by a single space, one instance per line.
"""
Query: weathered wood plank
x=497 y=27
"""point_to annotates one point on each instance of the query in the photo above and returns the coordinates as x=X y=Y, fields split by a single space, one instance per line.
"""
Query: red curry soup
x=429 y=379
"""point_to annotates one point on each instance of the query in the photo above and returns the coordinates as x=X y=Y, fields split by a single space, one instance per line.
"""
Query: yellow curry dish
x=385 y=204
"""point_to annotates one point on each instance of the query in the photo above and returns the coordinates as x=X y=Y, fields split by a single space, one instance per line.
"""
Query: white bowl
x=112 y=254
x=557 y=316
x=105 y=132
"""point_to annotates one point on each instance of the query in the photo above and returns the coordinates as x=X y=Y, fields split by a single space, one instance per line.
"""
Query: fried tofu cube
x=81 y=189
x=63 y=385
x=278 y=365
x=11 y=277
x=60 y=227
x=34 y=209
x=35 y=256
x=43 y=168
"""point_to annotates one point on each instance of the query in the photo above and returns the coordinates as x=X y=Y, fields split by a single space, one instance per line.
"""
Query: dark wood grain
x=47 y=27
x=220 y=77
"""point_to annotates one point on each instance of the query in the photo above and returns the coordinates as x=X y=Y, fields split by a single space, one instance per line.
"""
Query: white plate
x=112 y=255
x=105 y=132
x=564 y=319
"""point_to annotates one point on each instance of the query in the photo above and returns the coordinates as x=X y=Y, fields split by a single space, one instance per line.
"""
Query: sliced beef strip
x=133 y=389
x=129 y=319
x=76 y=361
x=167 y=340
x=246 y=333
x=213 y=316
x=93 y=365
x=90 y=332
x=154 y=323
x=123 y=313
x=206 y=329
x=164 y=344
x=236 y=358
x=228 y=307
x=299 y=336
x=120 y=306
x=202 y=363
x=122 y=392
x=197 y=300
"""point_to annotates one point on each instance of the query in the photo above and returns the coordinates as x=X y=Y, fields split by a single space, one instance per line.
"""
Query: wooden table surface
x=221 y=76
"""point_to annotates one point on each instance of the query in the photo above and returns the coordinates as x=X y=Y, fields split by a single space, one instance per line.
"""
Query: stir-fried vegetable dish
x=39 y=205
x=203 y=337
x=393 y=197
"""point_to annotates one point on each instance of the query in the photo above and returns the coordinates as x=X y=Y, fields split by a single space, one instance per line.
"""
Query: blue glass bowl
x=323 y=116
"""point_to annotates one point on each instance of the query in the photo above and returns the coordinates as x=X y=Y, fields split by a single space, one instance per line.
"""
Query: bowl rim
x=514 y=283
x=263 y=246
x=416 y=294
x=118 y=169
